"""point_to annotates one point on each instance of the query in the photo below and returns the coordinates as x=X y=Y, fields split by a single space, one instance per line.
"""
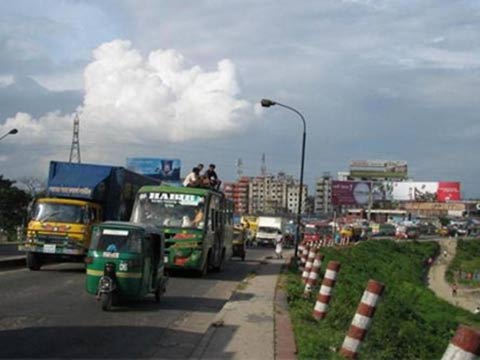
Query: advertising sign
x=162 y=169
x=426 y=191
x=350 y=192
x=371 y=169
x=448 y=191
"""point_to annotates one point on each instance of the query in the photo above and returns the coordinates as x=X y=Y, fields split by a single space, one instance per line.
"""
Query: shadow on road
x=110 y=342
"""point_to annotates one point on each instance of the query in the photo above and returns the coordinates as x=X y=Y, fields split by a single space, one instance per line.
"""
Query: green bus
x=197 y=224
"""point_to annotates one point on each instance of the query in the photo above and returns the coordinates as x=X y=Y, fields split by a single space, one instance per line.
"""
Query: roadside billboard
x=158 y=168
x=350 y=192
x=371 y=169
x=426 y=191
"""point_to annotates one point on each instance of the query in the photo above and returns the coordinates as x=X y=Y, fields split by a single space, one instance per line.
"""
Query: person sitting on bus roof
x=192 y=179
x=212 y=177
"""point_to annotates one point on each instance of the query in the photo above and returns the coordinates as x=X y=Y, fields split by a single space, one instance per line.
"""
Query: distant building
x=238 y=193
x=323 y=195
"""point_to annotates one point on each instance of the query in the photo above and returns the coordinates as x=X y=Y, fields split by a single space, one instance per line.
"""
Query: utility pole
x=75 y=149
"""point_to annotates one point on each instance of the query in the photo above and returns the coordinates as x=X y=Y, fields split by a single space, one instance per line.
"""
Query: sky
x=389 y=80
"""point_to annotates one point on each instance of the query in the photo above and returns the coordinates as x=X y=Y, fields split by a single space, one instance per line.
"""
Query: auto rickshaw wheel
x=33 y=261
x=106 y=300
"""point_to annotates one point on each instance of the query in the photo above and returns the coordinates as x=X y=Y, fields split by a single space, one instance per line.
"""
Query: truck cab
x=59 y=227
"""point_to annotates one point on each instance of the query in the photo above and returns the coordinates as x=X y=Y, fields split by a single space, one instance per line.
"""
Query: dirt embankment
x=467 y=299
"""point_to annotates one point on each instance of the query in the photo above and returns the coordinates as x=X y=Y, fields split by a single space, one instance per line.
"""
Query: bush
x=410 y=322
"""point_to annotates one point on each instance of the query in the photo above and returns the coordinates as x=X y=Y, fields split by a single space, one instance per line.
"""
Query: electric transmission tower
x=263 y=169
x=75 y=149
x=239 y=167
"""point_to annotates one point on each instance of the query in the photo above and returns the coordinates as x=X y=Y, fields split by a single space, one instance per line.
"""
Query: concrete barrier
x=325 y=292
x=313 y=275
x=465 y=345
x=362 y=319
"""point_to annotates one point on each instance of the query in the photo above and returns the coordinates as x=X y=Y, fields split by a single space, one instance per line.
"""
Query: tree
x=13 y=205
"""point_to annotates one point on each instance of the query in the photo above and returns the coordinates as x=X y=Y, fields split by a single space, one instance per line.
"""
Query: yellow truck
x=78 y=196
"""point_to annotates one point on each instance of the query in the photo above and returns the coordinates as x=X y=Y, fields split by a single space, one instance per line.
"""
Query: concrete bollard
x=465 y=345
x=303 y=259
x=362 y=319
x=309 y=264
x=313 y=275
x=325 y=293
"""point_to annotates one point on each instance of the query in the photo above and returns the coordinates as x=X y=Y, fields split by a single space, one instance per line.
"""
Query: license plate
x=165 y=259
x=49 y=248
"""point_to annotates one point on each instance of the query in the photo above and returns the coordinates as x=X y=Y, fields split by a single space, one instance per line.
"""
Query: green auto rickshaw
x=239 y=243
x=125 y=261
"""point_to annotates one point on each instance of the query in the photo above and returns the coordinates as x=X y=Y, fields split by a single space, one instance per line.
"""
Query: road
x=9 y=250
x=48 y=314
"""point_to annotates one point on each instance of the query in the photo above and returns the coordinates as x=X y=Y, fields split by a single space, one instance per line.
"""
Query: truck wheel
x=106 y=300
x=33 y=261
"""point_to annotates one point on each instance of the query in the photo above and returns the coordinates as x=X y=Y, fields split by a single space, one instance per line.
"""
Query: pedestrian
x=454 y=289
x=477 y=310
x=279 y=245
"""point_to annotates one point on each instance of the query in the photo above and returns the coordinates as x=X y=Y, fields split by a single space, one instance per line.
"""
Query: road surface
x=48 y=314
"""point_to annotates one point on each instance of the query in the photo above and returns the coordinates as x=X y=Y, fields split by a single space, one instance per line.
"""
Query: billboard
x=371 y=169
x=358 y=192
x=162 y=169
x=431 y=191
x=350 y=192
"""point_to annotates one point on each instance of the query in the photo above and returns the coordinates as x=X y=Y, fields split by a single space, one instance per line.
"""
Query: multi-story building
x=238 y=193
x=275 y=195
x=323 y=195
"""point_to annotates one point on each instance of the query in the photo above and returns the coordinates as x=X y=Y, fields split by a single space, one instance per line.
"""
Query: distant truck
x=267 y=228
x=78 y=196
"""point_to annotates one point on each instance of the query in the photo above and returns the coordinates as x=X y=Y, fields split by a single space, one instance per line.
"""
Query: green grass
x=410 y=322
x=467 y=258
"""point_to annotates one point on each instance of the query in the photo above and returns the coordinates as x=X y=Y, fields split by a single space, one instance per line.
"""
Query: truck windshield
x=170 y=209
x=58 y=213
x=113 y=240
x=267 y=230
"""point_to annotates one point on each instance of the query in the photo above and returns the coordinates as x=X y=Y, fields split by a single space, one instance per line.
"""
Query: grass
x=467 y=259
x=410 y=321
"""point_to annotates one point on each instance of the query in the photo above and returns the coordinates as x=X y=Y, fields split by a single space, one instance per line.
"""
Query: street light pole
x=268 y=103
x=11 y=132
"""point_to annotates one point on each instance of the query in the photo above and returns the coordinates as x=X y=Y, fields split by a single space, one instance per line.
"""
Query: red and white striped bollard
x=309 y=264
x=325 y=292
x=313 y=275
x=465 y=345
x=362 y=319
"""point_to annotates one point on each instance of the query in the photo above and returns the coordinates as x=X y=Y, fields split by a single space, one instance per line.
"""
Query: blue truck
x=78 y=196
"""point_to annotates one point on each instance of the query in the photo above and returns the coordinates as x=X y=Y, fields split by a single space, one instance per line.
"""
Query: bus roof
x=179 y=190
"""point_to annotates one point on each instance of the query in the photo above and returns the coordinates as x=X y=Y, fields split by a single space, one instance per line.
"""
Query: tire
x=33 y=261
x=106 y=300
x=219 y=267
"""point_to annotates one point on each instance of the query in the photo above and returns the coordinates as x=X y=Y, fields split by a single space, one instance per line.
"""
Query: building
x=238 y=193
x=323 y=195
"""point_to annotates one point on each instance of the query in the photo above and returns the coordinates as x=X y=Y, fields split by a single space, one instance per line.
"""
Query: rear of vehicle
x=268 y=228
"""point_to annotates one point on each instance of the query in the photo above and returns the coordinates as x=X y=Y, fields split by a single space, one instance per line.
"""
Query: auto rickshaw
x=125 y=261
x=238 y=243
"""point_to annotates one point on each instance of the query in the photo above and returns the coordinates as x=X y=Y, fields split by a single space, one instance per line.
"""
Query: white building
x=323 y=195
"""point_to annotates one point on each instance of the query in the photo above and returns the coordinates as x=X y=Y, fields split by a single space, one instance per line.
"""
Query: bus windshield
x=59 y=213
x=170 y=209
x=113 y=240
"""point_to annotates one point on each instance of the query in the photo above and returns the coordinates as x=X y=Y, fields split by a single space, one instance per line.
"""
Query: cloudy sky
x=394 y=80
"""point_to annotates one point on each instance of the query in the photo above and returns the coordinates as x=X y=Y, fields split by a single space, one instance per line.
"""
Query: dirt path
x=466 y=298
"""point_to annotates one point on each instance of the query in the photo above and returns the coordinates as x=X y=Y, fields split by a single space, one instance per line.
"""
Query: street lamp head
x=267 y=103
x=13 y=131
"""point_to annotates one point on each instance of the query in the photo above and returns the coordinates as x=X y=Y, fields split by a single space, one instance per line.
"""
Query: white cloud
x=131 y=100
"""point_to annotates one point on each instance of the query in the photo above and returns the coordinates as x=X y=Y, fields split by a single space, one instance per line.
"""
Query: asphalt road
x=9 y=250
x=48 y=314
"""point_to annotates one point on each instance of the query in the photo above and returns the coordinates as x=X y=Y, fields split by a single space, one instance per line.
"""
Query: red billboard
x=350 y=192
x=448 y=191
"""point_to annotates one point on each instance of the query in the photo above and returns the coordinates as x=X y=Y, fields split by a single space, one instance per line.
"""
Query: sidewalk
x=245 y=327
